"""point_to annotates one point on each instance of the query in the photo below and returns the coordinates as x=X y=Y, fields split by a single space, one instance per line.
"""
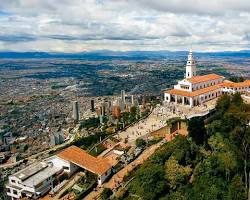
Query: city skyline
x=124 y=25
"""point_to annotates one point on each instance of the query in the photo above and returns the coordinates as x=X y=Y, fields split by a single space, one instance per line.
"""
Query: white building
x=194 y=90
x=39 y=178
x=35 y=180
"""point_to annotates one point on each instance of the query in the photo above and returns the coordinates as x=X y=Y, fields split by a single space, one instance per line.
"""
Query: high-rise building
x=132 y=100
x=103 y=109
x=123 y=96
x=116 y=112
x=76 y=111
x=92 y=105
x=107 y=105
x=129 y=99
x=56 y=138
x=122 y=105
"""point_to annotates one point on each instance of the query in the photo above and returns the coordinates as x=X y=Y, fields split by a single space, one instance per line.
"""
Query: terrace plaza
x=195 y=90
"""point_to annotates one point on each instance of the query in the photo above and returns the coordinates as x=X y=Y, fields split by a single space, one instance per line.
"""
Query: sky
x=122 y=25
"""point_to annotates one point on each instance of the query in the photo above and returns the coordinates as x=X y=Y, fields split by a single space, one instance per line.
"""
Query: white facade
x=67 y=166
x=184 y=85
x=37 y=179
x=103 y=177
x=232 y=90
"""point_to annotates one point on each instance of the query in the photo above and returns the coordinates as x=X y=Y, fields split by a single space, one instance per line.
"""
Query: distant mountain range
x=106 y=54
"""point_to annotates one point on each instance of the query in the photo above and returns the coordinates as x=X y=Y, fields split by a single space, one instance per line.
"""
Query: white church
x=195 y=90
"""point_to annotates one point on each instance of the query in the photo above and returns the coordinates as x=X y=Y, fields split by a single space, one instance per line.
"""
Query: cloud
x=199 y=7
x=78 y=25
x=17 y=38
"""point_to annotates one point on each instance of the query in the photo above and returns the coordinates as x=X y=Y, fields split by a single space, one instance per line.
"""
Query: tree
x=197 y=131
x=174 y=195
x=133 y=111
x=176 y=174
x=207 y=181
x=140 y=142
x=236 y=79
x=236 y=189
x=106 y=193
x=236 y=99
x=149 y=182
x=214 y=127
x=223 y=103
x=240 y=137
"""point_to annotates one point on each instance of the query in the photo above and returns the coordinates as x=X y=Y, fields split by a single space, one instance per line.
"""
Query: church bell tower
x=190 y=66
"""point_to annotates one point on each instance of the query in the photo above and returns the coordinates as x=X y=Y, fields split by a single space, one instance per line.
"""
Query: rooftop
x=204 y=78
x=42 y=175
x=30 y=170
x=234 y=85
x=83 y=159
x=36 y=173
x=194 y=93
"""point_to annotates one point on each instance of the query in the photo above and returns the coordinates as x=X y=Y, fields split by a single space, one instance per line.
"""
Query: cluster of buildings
x=32 y=125
x=112 y=107
x=195 y=90
x=42 y=177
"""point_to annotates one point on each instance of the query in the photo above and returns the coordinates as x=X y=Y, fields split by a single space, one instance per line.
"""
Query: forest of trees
x=213 y=162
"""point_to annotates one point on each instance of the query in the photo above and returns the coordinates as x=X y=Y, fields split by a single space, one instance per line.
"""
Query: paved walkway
x=117 y=179
x=157 y=119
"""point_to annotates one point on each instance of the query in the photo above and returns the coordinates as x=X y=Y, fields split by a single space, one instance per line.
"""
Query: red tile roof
x=204 y=78
x=194 y=93
x=231 y=84
x=83 y=159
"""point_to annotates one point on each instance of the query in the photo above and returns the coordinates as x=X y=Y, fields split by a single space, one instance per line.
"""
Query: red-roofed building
x=194 y=90
x=82 y=159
